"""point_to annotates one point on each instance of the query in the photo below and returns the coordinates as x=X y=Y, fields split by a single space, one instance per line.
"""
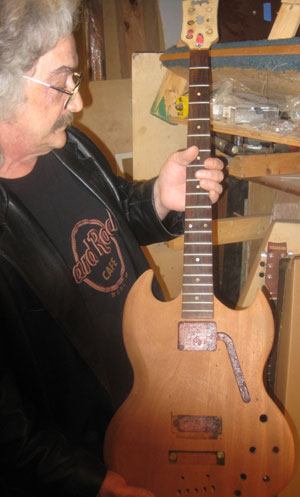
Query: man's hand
x=169 y=189
x=114 y=485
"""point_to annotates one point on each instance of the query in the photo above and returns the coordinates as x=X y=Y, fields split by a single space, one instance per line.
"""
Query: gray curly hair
x=29 y=29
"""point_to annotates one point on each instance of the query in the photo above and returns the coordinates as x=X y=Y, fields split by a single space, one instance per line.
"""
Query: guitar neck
x=197 y=292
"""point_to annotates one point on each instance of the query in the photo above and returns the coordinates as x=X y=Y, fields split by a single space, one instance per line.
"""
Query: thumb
x=187 y=155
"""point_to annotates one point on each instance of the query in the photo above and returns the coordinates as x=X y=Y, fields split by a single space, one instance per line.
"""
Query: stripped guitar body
x=198 y=421
x=185 y=429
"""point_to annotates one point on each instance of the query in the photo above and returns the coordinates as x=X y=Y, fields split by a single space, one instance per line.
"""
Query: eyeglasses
x=77 y=79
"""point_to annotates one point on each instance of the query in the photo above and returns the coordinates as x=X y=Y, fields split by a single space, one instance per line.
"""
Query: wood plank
x=237 y=130
x=233 y=230
x=288 y=365
x=95 y=34
x=238 y=52
x=287 y=21
x=129 y=27
x=287 y=183
x=240 y=130
x=106 y=116
x=153 y=141
x=112 y=55
x=131 y=32
x=248 y=166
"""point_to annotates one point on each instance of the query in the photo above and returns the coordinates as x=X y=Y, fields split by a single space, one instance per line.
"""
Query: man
x=69 y=252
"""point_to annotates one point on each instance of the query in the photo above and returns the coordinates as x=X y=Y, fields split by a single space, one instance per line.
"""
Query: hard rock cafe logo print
x=98 y=258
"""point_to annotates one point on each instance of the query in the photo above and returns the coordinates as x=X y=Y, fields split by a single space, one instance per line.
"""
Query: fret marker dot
x=198 y=94
x=205 y=225
x=198 y=127
x=197 y=259
x=198 y=157
x=190 y=225
x=197 y=280
x=198 y=186
x=197 y=298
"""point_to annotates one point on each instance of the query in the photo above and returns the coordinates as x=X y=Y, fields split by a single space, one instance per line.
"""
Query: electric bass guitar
x=198 y=421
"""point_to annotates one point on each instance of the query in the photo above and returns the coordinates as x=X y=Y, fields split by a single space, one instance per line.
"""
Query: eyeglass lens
x=77 y=78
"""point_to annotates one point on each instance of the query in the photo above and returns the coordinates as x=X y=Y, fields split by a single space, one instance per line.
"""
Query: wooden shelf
x=251 y=166
x=240 y=130
x=289 y=183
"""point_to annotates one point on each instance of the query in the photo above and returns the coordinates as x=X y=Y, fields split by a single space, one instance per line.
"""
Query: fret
x=198 y=293
x=198 y=219
x=199 y=284
x=196 y=193
x=190 y=302
x=201 y=255
x=199 y=67
x=200 y=206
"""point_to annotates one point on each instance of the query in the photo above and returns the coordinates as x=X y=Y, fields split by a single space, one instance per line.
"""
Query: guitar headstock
x=200 y=23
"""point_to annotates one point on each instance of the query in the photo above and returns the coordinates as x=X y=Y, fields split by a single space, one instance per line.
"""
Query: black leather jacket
x=54 y=406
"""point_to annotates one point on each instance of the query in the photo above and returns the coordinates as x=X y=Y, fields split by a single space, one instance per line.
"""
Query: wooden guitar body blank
x=185 y=429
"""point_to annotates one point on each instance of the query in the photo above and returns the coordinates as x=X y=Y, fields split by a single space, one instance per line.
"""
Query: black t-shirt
x=87 y=236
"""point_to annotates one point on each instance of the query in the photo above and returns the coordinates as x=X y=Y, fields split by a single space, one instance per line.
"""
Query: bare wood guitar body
x=185 y=429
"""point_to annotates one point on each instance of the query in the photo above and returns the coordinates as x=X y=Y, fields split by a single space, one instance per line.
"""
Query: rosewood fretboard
x=197 y=295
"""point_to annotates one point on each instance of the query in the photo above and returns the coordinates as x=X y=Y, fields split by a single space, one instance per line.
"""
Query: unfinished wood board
x=233 y=230
x=153 y=139
x=112 y=56
x=95 y=38
x=288 y=364
x=106 y=117
x=279 y=232
x=129 y=27
x=286 y=182
x=287 y=21
x=245 y=166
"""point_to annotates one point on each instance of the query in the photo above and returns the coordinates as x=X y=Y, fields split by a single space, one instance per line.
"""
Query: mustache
x=62 y=122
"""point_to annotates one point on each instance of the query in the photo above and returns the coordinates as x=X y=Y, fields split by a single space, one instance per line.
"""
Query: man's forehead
x=61 y=59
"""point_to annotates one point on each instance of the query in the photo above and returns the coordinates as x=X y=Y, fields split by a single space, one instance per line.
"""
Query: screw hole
x=275 y=450
x=252 y=450
x=243 y=476
x=266 y=478
x=237 y=492
x=263 y=418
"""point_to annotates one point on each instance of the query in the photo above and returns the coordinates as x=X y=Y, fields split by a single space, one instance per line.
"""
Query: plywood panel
x=106 y=117
x=288 y=365
x=153 y=141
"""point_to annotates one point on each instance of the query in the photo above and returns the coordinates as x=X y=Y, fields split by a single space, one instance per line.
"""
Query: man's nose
x=76 y=103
